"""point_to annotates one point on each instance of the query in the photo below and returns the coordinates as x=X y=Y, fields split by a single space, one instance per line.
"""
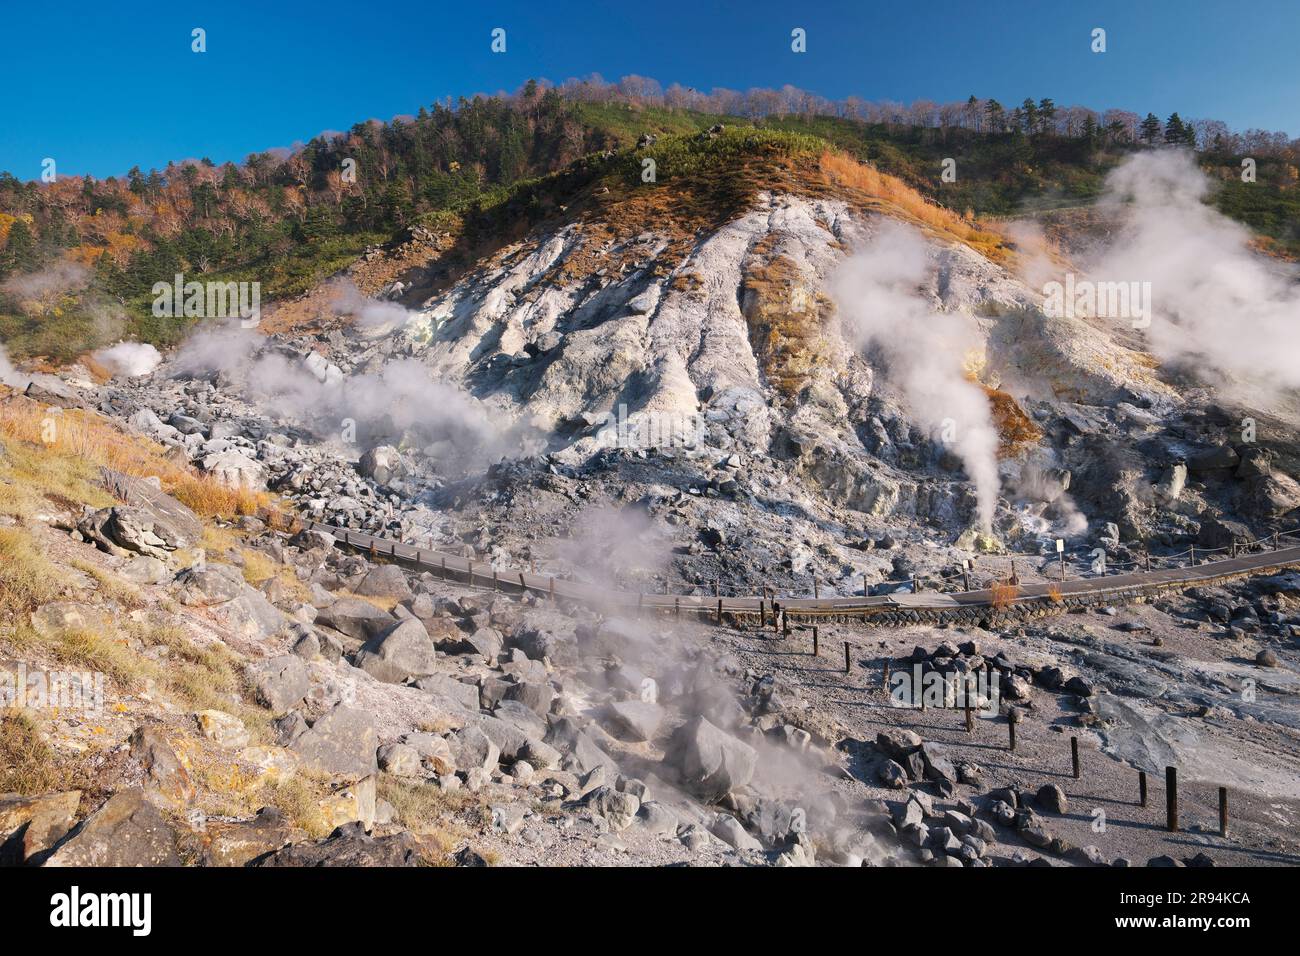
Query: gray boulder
x=342 y=742
x=403 y=651
x=280 y=683
x=712 y=762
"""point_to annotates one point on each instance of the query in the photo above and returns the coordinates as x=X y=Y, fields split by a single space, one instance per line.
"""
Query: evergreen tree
x=1150 y=129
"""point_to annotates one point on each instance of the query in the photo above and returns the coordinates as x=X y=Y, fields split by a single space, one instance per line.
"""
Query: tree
x=1046 y=114
x=1175 y=132
x=1150 y=129
x=993 y=110
x=20 y=250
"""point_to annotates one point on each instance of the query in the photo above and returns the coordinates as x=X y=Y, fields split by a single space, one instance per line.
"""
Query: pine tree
x=1174 y=131
x=1149 y=129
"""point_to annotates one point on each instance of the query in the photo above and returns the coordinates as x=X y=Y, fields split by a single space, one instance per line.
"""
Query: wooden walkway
x=479 y=574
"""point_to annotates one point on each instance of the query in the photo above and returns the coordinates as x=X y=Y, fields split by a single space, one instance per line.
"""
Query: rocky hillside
x=767 y=366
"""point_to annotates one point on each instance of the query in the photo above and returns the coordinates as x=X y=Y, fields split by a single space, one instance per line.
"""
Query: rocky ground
x=274 y=700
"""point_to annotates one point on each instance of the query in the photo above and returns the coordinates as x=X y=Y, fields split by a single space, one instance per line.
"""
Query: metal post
x=1171 y=799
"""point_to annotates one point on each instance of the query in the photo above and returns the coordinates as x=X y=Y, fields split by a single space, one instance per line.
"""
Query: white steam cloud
x=1219 y=307
x=401 y=400
x=878 y=294
x=129 y=359
x=8 y=374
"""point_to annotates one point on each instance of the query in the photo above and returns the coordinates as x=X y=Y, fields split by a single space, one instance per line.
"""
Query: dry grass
x=1004 y=594
x=1054 y=594
x=28 y=765
x=258 y=567
x=428 y=811
x=882 y=189
x=65 y=449
x=27 y=578
x=111 y=587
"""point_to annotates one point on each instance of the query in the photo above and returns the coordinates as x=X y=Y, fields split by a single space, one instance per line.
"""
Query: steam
x=368 y=313
x=400 y=402
x=878 y=293
x=129 y=359
x=1218 y=306
x=8 y=374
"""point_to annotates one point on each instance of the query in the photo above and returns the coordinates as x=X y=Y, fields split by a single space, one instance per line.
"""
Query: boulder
x=1052 y=798
x=239 y=842
x=31 y=825
x=1218 y=533
x=384 y=581
x=403 y=651
x=635 y=719
x=233 y=469
x=209 y=585
x=280 y=683
x=127 y=830
x=342 y=742
x=712 y=762
x=472 y=749
x=356 y=618
x=350 y=845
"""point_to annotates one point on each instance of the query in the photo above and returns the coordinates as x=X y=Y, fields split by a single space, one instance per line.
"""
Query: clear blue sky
x=105 y=86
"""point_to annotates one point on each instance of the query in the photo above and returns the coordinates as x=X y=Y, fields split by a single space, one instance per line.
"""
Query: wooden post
x=965 y=580
x=1233 y=549
x=785 y=625
x=1062 y=565
x=495 y=583
x=1191 y=551
x=1011 y=730
x=1142 y=787
x=866 y=589
x=762 y=612
x=884 y=678
x=1274 y=540
x=776 y=614
x=374 y=552
x=1014 y=578
x=816 y=591
x=640 y=602
x=1074 y=755
x=847 y=664
x=444 y=569
x=419 y=557
x=816 y=642
x=717 y=587
x=1171 y=799
x=970 y=714
x=916 y=584
x=552 y=589
x=677 y=608
x=719 y=612
x=1148 y=561
x=471 y=572
x=523 y=585
x=1223 y=811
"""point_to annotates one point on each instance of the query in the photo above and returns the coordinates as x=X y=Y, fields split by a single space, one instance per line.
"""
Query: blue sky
x=101 y=87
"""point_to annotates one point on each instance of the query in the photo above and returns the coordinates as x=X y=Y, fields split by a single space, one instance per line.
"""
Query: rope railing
x=483 y=574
